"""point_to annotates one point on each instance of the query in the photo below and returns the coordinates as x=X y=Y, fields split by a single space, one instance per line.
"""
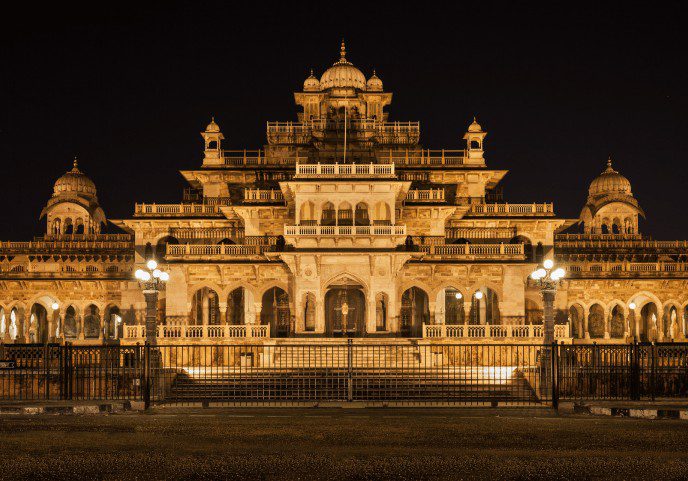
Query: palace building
x=342 y=225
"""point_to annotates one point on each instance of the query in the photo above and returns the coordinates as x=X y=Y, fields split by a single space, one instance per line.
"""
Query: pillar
x=586 y=315
x=607 y=322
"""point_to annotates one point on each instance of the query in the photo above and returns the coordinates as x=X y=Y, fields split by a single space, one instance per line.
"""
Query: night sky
x=128 y=88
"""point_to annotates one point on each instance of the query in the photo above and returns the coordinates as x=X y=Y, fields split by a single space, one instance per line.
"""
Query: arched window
x=361 y=215
x=596 y=321
x=475 y=144
x=68 y=226
x=235 y=306
x=345 y=214
x=56 y=227
x=605 y=229
x=79 y=226
x=383 y=214
x=69 y=327
x=212 y=145
x=205 y=307
x=329 y=214
x=307 y=213
x=113 y=320
x=484 y=307
x=92 y=322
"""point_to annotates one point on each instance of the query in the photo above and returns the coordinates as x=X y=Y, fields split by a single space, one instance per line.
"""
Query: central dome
x=343 y=74
x=74 y=182
x=610 y=182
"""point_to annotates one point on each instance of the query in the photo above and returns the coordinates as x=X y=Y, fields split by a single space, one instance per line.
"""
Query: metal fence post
x=146 y=375
x=555 y=375
x=67 y=373
x=349 y=368
x=635 y=371
x=653 y=370
x=46 y=365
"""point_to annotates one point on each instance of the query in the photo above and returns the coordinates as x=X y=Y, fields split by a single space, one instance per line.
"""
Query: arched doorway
x=235 y=306
x=113 y=319
x=596 y=321
x=671 y=322
x=484 y=307
x=38 y=324
x=275 y=312
x=415 y=311
x=69 y=328
x=92 y=322
x=345 y=310
x=576 y=314
x=205 y=307
x=617 y=323
x=648 y=325
x=453 y=302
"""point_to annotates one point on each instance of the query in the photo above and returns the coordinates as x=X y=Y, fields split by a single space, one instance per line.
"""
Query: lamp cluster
x=546 y=273
x=151 y=273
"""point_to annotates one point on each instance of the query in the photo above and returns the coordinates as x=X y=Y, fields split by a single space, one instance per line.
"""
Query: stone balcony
x=334 y=171
x=177 y=210
x=263 y=196
x=486 y=331
x=425 y=196
x=216 y=252
x=626 y=269
x=516 y=210
x=341 y=236
x=137 y=332
x=498 y=252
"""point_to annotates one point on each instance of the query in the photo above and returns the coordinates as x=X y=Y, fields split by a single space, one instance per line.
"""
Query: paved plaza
x=342 y=444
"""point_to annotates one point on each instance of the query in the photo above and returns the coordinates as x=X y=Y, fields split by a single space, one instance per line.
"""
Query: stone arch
x=112 y=322
x=92 y=322
x=345 y=214
x=70 y=326
x=484 y=310
x=328 y=214
x=361 y=214
x=671 y=320
x=382 y=214
x=576 y=320
x=449 y=306
x=307 y=214
x=596 y=320
x=617 y=321
x=415 y=311
x=534 y=312
x=276 y=312
x=205 y=307
x=346 y=278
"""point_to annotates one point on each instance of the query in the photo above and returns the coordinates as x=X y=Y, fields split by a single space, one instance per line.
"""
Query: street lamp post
x=152 y=280
x=547 y=277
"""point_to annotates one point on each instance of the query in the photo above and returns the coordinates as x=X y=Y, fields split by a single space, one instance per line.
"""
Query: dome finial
x=342 y=50
x=75 y=164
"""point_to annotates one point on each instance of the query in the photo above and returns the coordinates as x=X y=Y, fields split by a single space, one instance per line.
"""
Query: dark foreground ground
x=342 y=444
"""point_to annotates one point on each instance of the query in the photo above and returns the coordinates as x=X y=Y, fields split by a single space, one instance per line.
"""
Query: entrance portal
x=345 y=311
x=276 y=312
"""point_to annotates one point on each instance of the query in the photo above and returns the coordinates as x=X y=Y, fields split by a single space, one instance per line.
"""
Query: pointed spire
x=342 y=50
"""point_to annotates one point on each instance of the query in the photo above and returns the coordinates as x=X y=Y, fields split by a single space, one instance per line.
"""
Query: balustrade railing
x=487 y=331
x=478 y=250
x=612 y=240
x=230 y=250
x=343 y=230
x=631 y=268
x=58 y=244
x=186 y=332
x=480 y=233
x=423 y=157
x=344 y=170
x=252 y=158
x=177 y=209
x=512 y=209
x=425 y=195
x=263 y=195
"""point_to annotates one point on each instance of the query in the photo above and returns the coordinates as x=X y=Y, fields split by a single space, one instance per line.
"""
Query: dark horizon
x=129 y=90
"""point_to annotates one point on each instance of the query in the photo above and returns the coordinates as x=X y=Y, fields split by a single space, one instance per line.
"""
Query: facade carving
x=343 y=224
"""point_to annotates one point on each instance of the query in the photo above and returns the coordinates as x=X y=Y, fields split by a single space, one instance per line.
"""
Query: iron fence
x=382 y=373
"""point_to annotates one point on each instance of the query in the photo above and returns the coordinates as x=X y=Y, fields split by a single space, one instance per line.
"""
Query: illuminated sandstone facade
x=343 y=225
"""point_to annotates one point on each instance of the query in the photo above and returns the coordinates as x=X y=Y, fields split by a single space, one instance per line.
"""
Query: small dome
x=74 y=182
x=374 y=83
x=311 y=84
x=212 y=126
x=475 y=126
x=610 y=182
x=343 y=74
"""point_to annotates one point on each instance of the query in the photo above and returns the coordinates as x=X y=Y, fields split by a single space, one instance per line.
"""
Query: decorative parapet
x=423 y=158
x=329 y=171
x=475 y=251
x=174 y=210
x=487 y=331
x=212 y=251
x=258 y=158
x=425 y=195
x=263 y=195
x=343 y=230
x=626 y=269
x=137 y=332
x=546 y=209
